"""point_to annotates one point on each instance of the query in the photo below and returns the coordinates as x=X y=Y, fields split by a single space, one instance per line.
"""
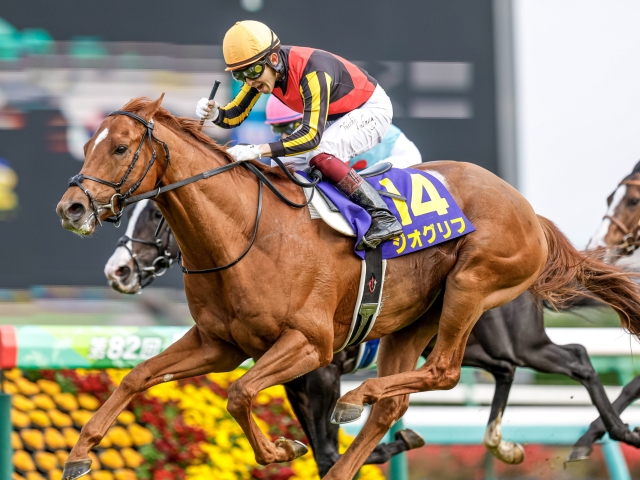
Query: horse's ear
x=150 y=109
x=636 y=169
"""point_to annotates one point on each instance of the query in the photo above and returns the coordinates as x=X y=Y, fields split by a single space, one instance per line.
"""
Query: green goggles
x=252 y=72
x=288 y=128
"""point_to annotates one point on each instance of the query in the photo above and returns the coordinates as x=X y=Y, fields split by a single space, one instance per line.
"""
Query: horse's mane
x=189 y=127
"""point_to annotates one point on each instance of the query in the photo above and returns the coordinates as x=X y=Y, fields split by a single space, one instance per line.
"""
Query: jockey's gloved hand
x=207 y=109
x=242 y=153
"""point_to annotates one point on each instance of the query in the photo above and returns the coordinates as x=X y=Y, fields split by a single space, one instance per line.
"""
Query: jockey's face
x=267 y=81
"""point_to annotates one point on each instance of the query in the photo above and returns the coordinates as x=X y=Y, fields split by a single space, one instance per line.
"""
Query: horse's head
x=620 y=227
x=141 y=255
x=120 y=159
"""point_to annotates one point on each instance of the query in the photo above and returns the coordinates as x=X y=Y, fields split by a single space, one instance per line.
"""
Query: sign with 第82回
x=59 y=347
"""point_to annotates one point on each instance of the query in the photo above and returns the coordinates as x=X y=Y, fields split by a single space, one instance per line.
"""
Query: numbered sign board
x=58 y=347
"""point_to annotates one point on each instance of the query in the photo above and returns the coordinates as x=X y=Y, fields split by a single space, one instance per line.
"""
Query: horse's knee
x=134 y=382
x=239 y=400
x=440 y=376
x=390 y=410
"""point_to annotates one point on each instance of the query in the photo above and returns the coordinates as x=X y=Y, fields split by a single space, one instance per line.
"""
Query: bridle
x=631 y=240
x=119 y=201
x=163 y=261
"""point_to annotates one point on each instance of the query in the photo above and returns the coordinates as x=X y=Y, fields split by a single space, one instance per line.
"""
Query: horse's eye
x=121 y=149
x=158 y=215
x=632 y=202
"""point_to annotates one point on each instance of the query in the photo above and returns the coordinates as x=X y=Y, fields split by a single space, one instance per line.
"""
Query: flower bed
x=175 y=431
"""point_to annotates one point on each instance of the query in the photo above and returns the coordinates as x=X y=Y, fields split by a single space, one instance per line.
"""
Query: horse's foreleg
x=188 y=357
x=399 y=352
x=290 y=356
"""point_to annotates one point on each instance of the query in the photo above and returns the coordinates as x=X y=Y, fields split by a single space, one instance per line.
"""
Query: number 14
x=419 y=184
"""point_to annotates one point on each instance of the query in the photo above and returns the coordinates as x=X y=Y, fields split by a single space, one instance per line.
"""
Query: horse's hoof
x=411 y=438
x=299 y=448
x=579 y=453
x=77 y=469
x=346 y=413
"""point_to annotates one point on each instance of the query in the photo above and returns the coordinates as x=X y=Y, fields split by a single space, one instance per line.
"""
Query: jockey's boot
x=384 y=225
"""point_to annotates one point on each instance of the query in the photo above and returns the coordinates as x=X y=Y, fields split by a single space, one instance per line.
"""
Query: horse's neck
x=211 y=217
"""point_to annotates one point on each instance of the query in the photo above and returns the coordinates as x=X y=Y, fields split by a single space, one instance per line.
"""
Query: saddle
x=321 y=206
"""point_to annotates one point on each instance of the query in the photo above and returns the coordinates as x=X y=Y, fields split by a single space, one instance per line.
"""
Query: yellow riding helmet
x=247 y=42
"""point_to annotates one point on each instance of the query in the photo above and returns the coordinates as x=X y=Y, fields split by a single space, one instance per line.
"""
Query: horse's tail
x=569 y=274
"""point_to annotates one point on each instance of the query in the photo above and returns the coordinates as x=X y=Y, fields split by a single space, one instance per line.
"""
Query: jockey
x=322 y=87
x=394 y=148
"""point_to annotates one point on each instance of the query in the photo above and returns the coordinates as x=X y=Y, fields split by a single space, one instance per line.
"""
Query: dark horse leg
x=313 y=396
x=572 y=360
x=582 y=448
x=503 y=372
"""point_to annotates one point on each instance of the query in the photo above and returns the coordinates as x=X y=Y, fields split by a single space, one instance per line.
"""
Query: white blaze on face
x=101 y=137
x=121 y=256
x=598 y=239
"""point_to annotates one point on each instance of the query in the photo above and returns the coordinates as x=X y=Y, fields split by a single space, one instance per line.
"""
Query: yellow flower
x=66 y=401
x=88 y=402
x=13 y=374
x=33 y=439
x=81 y=417
x=59 y=419
x=126 y=417
x=16 y=443
x=46 y=461
x=140 y=435
x=101 y=475
x=132 y=459
x=39 y=418
x=119 y=437
x=49 y=387
x=22 y=403
x=43 y=401
x=54 y=439
x=110 y=458
x=71 y=436
x=26 y=387
x=125 y=474
x=22 y=461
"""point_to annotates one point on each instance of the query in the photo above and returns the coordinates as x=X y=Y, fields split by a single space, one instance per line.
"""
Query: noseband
x=117 y=202
x=163 y=261
x=631 y=240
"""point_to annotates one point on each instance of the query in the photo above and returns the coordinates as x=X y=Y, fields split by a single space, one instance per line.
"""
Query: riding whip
x=216 y=84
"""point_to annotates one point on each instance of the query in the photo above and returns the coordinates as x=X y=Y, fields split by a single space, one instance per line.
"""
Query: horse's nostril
x=123 y=272
x=76 y=210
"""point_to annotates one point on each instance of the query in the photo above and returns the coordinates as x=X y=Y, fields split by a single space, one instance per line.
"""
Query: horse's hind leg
x=312 y=397
x=442 y=369
x=503 y=371
x=399 y=352
x=573 y=361
x=583 y=447
x=188 y=357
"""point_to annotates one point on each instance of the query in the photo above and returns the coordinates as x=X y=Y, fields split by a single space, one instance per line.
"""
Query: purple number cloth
x=429 y=216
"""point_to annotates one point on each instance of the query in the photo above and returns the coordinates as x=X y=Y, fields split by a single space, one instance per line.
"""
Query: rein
x=631 y=240
x=119 y=200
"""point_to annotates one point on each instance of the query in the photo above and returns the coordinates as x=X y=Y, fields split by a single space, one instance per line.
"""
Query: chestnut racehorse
x=288 y=304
